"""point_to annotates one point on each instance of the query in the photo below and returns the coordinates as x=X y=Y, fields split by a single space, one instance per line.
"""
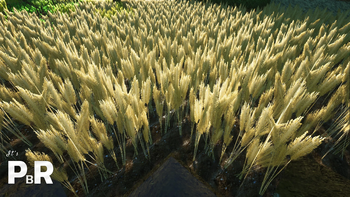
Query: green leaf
x=32 y=9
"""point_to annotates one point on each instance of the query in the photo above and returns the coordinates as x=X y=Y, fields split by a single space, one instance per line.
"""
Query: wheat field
x=262 y=83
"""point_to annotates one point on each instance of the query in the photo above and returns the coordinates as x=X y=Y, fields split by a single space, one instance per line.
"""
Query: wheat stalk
x=53 y=140
x=100 y=131
x=60 y=175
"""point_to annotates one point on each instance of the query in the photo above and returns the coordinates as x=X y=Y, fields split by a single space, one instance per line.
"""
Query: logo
x=38 y=174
